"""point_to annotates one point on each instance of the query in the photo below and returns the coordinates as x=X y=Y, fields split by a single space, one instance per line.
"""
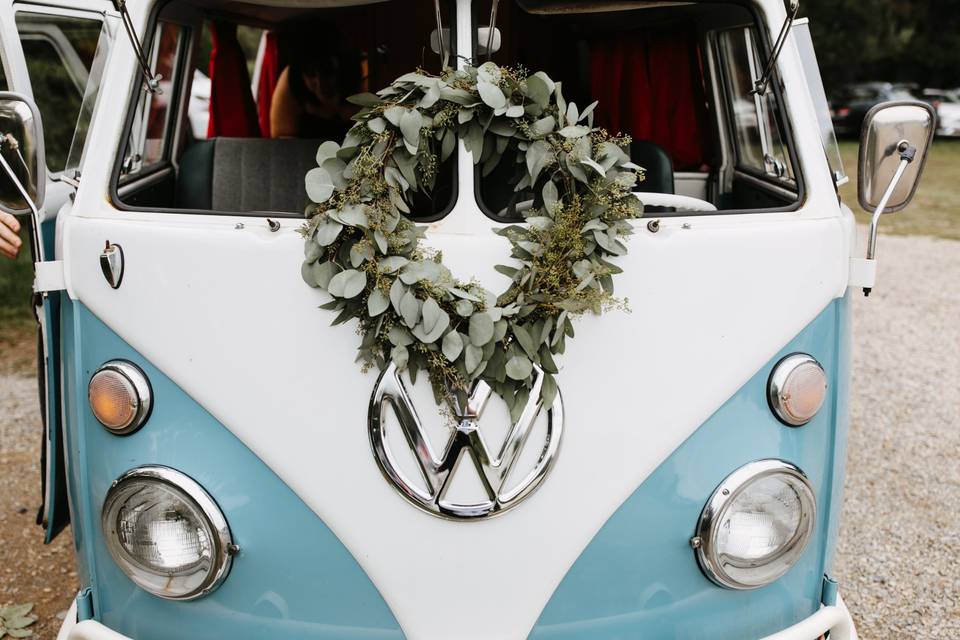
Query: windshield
x=808 y=55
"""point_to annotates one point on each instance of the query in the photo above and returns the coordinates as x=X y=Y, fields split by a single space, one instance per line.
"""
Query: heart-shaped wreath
x=367 y=255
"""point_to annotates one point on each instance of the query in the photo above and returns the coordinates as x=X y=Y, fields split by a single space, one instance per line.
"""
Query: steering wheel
x=680 y=203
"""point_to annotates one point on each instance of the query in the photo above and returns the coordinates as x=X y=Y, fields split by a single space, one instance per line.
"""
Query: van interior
x=677 y=77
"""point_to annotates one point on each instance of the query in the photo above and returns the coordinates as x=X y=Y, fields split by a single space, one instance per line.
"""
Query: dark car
x=851 y=103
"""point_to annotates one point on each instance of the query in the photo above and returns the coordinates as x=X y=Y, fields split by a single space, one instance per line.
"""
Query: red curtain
x=270 y=69
x=232 y=110
x=650 y=85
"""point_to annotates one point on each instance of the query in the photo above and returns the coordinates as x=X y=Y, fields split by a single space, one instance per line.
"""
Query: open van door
x=53 y=55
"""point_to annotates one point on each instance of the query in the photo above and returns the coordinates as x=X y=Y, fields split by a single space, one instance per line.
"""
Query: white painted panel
x=224 y=313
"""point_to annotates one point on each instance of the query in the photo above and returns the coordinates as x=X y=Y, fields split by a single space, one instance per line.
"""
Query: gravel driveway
x=899 y=544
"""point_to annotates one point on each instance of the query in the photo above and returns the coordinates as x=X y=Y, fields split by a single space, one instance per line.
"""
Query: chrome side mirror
x=23 y=173
x=894 y=142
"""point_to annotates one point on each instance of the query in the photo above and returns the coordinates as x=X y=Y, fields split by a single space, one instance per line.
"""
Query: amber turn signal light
x=120 y=396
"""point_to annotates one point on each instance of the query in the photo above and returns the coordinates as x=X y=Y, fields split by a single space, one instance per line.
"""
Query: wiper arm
x=761 y=85
x=151 y=81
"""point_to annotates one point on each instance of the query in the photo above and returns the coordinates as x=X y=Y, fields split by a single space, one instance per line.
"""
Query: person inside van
x=310 y=97
x=10 y=242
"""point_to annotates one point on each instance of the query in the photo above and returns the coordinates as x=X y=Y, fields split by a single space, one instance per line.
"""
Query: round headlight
x=120 y=396
x=166 y=533
x=756 y=525
x=797 y=389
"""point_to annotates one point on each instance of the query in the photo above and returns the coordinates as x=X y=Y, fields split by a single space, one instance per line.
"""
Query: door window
x=154 y=119
x=755 y=119
x=58 y=51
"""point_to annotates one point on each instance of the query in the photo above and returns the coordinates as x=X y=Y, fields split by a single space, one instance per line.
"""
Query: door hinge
x=49 y=276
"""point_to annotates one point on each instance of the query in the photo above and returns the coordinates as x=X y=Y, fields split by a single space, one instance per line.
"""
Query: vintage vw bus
x=230 y=471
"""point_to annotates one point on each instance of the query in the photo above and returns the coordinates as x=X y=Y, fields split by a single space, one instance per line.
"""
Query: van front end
x=581 y=572
x=669 y=468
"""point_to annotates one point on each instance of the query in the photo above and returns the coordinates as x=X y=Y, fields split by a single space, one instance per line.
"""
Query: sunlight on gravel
x=899 y=544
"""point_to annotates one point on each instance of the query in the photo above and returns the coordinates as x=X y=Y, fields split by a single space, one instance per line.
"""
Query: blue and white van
x=228 y=470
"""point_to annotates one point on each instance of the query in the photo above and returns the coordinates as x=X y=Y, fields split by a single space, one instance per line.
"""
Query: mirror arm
x=7 y=140
x=907 y=154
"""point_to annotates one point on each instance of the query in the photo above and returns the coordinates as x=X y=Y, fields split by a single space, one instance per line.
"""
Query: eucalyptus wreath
x=361 y=247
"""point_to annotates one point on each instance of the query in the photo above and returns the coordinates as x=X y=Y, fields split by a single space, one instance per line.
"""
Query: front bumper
x=833 y=619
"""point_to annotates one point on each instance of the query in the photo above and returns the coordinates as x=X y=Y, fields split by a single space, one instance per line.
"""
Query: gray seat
x=246 y=174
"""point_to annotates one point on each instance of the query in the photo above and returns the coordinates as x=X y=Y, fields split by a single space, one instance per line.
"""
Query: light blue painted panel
x=639 y=579
x=293 y=577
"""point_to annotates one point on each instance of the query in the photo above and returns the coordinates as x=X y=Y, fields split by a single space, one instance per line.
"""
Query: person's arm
x=9 y=240
x=284 y=110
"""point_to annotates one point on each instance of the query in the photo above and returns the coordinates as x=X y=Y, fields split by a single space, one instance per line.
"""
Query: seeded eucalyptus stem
x=362 y=249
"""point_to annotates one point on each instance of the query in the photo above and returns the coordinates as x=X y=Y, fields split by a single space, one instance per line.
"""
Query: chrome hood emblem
x=465 y=441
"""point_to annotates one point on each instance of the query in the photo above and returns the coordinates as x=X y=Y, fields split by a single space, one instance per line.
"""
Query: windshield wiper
x=761 y=85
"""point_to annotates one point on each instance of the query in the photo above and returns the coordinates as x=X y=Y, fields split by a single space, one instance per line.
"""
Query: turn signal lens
x=797 y=389
x=120 y=396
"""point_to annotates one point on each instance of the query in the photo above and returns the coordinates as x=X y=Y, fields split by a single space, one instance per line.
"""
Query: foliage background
x=886 y=40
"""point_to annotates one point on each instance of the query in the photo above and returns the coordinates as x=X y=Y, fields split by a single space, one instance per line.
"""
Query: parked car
x=850 y=105
x=947 y=104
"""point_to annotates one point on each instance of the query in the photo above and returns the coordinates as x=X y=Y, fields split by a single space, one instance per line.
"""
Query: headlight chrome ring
x=166 y=533
x=756 y=525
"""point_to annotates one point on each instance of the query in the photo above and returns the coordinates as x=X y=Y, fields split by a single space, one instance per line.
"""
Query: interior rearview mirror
x=23 y=175
x=893 y=149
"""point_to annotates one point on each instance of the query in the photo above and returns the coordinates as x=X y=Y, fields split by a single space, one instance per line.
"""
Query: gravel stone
x=899 y=543
x=897 y=561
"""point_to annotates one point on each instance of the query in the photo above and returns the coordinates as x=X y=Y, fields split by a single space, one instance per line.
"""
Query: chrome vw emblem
x=465 y=440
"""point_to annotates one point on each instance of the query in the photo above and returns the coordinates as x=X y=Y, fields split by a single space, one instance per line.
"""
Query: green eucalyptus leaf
x=394 y=114
x=377 y=303
x=544 y=125
x=491 y=95
x=539 y=89
x=347 y=284
x=551 y=196
x=519 y=367
x=400 y=357
x=410 y=124
x=481 y=328
x=398 y=336
x=574 y=131
x=319 y=185
x=327 y=150
x=548 y=391
x=322 y=272
x=473 y=358
x=452 y=345
x=327 y=233
x=364 y=100
x=410 y=309
x=392 y=264
x=539 y=155
x=525 y=341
